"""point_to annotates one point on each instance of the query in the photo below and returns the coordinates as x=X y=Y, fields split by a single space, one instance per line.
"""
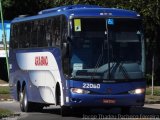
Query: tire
x=37 y=107
x=18 y=95
x=84 y=110
x=125 y=110
x=65 y=111
x=25 y=105
x=21 y=101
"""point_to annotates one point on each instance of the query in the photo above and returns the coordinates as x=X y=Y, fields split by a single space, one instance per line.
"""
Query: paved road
x=53 y=113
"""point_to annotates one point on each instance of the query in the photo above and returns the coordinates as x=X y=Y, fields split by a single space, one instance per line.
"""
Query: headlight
x=79 y=91
x=137 y=91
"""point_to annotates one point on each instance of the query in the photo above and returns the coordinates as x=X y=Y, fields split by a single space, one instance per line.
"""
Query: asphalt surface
x=148 y=112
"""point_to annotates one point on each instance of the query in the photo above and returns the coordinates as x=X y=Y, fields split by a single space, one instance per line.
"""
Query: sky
x=7 y=30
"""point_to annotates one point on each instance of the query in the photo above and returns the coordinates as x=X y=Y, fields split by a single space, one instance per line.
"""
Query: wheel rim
x=20 y=97
x=25 y=100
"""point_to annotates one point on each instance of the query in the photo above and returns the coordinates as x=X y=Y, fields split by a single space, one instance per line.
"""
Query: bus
x=78 y=56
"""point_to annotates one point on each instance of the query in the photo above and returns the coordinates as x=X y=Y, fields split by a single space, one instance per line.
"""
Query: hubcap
x=21 y=97
x=25 y=100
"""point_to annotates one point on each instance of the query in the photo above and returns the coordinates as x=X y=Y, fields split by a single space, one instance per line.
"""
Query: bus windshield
x=103 y=47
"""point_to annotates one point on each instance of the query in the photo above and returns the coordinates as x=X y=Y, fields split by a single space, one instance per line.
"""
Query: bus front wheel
x=125 y=110
x=65 y=111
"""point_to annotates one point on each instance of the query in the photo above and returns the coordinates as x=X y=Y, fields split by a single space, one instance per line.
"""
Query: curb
x=152 y=102
x=4 y=84
x=1 y=100
x=11 y=116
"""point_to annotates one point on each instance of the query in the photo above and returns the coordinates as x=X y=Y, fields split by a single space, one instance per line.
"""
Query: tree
x=148 y=9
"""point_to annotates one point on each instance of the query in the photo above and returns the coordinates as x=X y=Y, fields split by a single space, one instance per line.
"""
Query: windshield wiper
x=124 y=71
x=119 y=64
x=98 y=62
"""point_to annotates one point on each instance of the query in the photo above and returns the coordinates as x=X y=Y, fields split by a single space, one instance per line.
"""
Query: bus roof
x=79 y=11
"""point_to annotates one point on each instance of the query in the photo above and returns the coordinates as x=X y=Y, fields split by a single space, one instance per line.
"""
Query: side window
x=19 y=33
x=48 y=31
x=13 y=39
x=56 y=38
x=57 y=31
x=16 y=38
x=26 y=35
x=44 y=33
x=34 y=34
x=64 y=28
x=41 y=33
x=53 y=37
x=23 y=39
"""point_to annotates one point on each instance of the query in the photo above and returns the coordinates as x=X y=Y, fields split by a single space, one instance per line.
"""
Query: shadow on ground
x=137 y=112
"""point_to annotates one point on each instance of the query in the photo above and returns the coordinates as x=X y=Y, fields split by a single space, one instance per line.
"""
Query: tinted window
x=39 y=33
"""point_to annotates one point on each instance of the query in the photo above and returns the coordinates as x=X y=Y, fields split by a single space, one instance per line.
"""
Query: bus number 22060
x=90 y=85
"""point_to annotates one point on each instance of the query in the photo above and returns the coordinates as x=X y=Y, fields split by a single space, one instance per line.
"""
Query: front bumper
x=89 y=100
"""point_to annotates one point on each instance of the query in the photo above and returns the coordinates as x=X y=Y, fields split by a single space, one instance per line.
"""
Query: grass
x=5 y=113
x=4 y=90
x=156 y=91
x=155 y=98
x=5 y=94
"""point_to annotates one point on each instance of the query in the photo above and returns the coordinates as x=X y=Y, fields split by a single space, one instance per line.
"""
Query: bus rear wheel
x=25 y=105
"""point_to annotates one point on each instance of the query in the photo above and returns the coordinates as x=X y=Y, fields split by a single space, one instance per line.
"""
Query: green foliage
x=5 y=113
x=7 y=3
x=156 y=91
x=4 y=90
x=148 y=9
x=148 y=79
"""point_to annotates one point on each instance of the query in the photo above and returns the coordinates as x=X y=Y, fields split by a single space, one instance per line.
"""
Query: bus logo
x=41 y=61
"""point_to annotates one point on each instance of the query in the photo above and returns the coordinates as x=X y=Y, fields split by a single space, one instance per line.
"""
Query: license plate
x=109 y=101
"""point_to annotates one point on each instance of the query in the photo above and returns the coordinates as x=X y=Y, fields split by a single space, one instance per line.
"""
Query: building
x=3 y=67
